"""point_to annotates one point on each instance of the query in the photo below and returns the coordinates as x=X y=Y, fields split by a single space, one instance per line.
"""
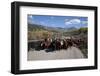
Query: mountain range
x=42 y=27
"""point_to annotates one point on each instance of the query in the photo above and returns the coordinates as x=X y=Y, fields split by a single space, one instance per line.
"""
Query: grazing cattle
x=57 y=44
x=45 y=44
x=69 y=43
x=52 y=45
x=64 y=44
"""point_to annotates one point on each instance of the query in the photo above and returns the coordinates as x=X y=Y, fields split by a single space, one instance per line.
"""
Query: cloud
x=30 y=16
x=66 y=20
x=84 y=22
x=30 y=19
x=72 y=21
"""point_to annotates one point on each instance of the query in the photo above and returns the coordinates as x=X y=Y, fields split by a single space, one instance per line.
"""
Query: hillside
x=56 y=29
x=38 y=32
x=82 y=34
x=34 y=27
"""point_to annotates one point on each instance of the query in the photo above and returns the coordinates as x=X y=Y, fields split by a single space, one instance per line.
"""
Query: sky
x=58 y=21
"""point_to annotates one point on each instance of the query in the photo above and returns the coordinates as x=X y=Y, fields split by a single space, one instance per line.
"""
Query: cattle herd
x=48 y=44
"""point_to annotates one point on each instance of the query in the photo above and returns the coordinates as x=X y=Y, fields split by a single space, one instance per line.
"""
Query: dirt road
x=70 y=53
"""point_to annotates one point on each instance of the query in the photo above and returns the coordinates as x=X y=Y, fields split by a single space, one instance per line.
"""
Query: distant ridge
x=35 y=26
x=56 y=29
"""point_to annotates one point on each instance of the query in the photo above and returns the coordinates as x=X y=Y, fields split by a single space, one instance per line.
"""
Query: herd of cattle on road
x=50 y=45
